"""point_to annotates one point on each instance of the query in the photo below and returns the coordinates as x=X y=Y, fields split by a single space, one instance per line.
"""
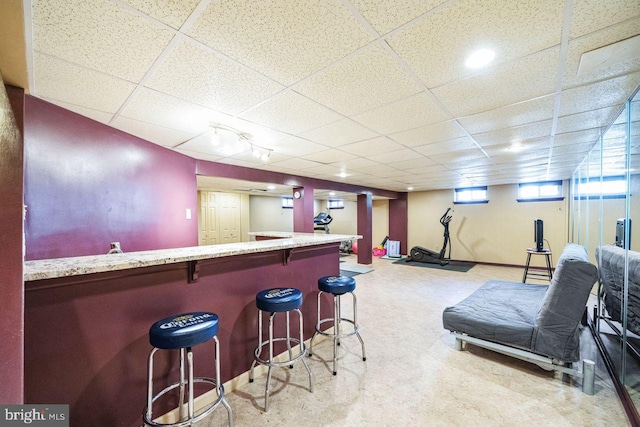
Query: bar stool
x=337 y=286
x=548 y=275
x=273 y=301
x=182 y=332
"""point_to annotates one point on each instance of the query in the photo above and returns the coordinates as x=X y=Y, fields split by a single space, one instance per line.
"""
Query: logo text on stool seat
x=186 y=320
x=279 y=293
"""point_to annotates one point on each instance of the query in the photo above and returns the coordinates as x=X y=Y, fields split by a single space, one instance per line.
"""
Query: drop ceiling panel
x=372 y=146
x=98 y=116
x=339 y=133
x=294 y=164
x=416 y=162
x=192 y=73
x=171 y=12
x=598 y=95
x=521 y=80
x=589 y=135
x=355 y=164
x=100 y=35
x=161 y=135
x=330 y=156
x=587 y=120
x=286 y=41
x=295 y=147
x=160 y=109
x=589 y=15
x=283 y=113
x=436 y=48
x=394 y=156
x=514 y=134
x=412 y=112
x=600 y=39
x=387 y=15
x=199 y=155
x=429 y=134
x=466 y=158
x=452 y=145
x=66 y=82
x=366 y=80
x=533 y=110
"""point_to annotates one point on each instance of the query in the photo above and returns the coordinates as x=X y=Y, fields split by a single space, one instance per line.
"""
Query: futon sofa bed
x=536 y=323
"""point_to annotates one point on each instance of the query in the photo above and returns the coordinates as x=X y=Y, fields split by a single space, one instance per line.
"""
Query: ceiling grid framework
x=368 y=92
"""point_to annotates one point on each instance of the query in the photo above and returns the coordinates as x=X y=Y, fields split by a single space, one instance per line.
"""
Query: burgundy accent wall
x=398 y=219
x=87 y=184
x=11 y=284
x=365 y=215
x=87 y=336
x=303 y=210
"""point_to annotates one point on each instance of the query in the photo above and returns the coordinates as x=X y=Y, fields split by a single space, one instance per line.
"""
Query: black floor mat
x=461 y=266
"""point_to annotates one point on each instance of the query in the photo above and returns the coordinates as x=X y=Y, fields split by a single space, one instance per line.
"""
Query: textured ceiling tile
x=62 y=81
x=598 y=95
x=593 y=15
x=286 y=41
x=509 y=116
x=192 y=73
x=409 y=113
x=514 y=134
x=330 y=156
x=362 y=82
x=160 y=135
x=463 y=143
x=416 y=162
x=338 y=133
x=590 y=135
x=573 y=148
x=437 y=47
x=199 y=155
x=164 y=110
x=171 y=12
x=98 y=34
x=372 y=146
x=387 y=15
x=394 y=156
x=523 y=152
x=291 y=112
x=97 y=115
x=521 y=80
x=356 y=164
x=597 y=40
x=467 y=158
x=587 y=120
x=429 y=134
x=294 y=146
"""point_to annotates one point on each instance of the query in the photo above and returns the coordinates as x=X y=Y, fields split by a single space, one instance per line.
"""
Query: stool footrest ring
x=196 y=418
x=303 y=352
x=355 y=330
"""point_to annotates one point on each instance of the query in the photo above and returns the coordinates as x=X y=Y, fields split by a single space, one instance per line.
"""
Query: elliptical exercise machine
x=420 y=254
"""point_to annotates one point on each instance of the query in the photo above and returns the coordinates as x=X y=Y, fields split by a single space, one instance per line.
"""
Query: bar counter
x=268 y=241
x=87 y=318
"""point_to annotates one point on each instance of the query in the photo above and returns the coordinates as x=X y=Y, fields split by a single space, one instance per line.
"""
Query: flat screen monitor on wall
x=620 y=233
x=538 y=234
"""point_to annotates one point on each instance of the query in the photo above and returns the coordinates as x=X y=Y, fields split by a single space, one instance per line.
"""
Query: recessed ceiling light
x=409 y=188
x=480 y=58
x=332 y=193
x=343 y=174
x=515 y=147
x=271 y=187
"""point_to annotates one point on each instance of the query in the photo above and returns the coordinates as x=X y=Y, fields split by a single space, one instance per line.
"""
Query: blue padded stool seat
x=272 y=302
x=184 y=330
x=179 y=334
x=336 y=285
x=279 y=300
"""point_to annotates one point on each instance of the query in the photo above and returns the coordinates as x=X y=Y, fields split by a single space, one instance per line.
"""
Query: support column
x=11 y=238
x=303 y=209
x=365 y=247
x=398 y=219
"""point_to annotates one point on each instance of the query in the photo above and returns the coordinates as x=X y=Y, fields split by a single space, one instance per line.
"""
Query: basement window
x=610 y=187
x=544 y=191
x=470 y=195
x=287 y=202
x=335 y=204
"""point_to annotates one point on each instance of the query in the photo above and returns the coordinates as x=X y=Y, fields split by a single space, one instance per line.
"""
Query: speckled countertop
x=73 y=266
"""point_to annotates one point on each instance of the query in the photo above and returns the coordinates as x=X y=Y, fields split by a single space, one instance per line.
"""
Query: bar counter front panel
x=86 y=336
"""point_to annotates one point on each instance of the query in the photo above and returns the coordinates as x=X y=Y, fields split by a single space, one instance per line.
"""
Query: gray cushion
x=564 y=305
x=612 y=279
